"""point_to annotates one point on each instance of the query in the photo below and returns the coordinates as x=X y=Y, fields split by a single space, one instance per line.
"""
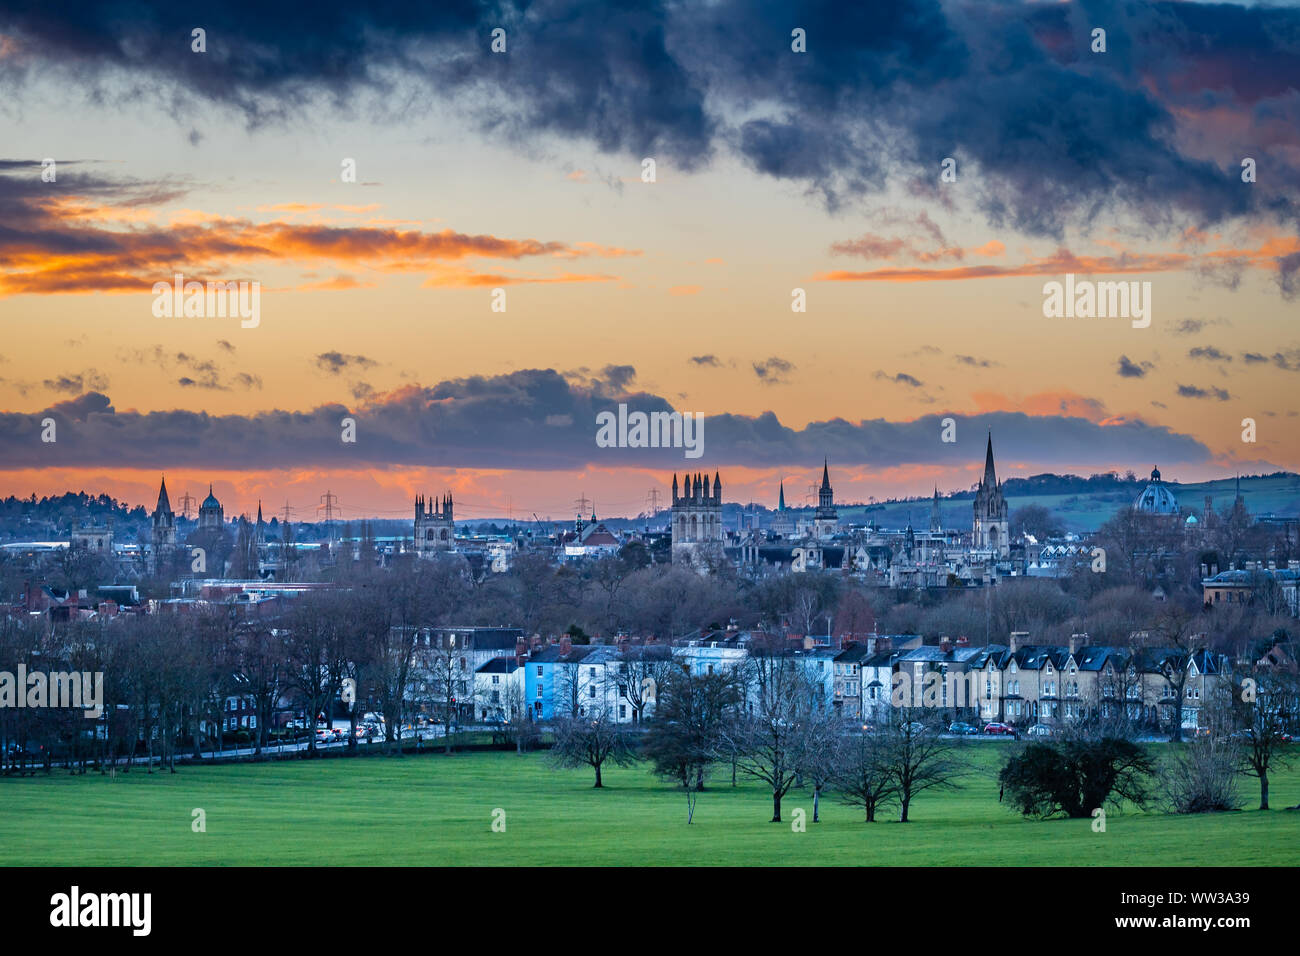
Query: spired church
x=991 y=532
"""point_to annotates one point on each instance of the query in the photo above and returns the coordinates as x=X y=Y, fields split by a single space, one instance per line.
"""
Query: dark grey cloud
x=1209 y=353
x=1130 y=369
x=539 y=419
x=711 y=361
x=337 y=362
x=773 y=371
x=77 y=382
x=975 y=362
x=1195 y=391
x=1046 y=134
x=899 y=378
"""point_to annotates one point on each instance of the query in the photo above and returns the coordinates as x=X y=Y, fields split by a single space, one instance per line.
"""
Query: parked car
x=1039 y=730
x=962 y=728
x=1001 y=730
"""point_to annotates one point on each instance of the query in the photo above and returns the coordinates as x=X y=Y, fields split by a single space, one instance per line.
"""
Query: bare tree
x=590 y=741
x=919 y=758
x=685 y=736
x=864 y=772
x=770 y=741
x=1264 y=706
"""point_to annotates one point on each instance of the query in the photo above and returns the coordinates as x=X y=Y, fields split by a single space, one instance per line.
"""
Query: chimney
x=1293 y=565
x=945 y=645
x=1015 y=639
x=884 y=645
x=521 y=650
x=1074 y=642
x=963 y=641
x=566 y=645
x=1272 y=565
x=1204 y=570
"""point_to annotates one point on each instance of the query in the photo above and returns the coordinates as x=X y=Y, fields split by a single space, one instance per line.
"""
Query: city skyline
x=380 y=213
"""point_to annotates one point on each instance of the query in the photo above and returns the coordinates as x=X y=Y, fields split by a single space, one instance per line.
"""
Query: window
x=496 y=678
x=539 y=670
x=622 y=711
x=539 y=692
x=591 y=690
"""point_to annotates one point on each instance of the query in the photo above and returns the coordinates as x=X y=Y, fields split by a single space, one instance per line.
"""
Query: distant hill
x=1084 y=504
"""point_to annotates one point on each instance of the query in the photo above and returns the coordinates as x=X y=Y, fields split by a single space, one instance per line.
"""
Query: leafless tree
x=864 y=771
x=919 y=758
x=686 y=735
x=770 y=741
x=1265 y=703
x=592 y=741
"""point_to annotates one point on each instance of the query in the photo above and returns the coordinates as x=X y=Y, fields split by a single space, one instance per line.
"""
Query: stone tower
x=697 y=521
x=162 y=535
x=826 y=519
x=435 y=527
x=991 y=529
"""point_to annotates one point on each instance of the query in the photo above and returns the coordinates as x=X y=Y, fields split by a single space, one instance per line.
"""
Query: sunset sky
x=522 y=170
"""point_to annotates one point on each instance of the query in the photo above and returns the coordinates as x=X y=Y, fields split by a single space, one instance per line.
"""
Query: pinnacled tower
x=826 y=519
x=991 y=530
x=936 y=523
x=697 y=521
x=435 y=528
x=163 y=532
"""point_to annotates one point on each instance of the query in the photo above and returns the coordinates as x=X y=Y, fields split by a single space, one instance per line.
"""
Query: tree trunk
x=904 y=802
x=1263 y=791
x=776 y=807
x=817 y=793
x=598 y=783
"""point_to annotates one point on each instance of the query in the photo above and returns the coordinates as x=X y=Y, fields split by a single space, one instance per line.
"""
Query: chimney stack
x=884 y=645
x=1015 y=639
x=566 y=645
x=963 y=641
x=945 y=645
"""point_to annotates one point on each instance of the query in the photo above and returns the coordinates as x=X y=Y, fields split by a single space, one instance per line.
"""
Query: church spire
x=780 y=502
x=990 y=474
x=164 y=504
x=826 y=475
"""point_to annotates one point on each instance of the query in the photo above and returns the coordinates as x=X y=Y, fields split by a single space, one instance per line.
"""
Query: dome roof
x=210 y=501
x=1157 y=499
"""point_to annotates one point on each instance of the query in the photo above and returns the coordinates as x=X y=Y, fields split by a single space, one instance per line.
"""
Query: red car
x=1001 y=729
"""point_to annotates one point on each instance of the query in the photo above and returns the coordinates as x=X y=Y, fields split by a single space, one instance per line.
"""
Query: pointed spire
x=780 y=503
x=259 y=510
x=717 y=486
x=990 y=473
x=164 y=504
x=826 y=475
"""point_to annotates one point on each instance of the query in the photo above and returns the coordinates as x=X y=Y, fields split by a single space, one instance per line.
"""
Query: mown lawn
x=435 y=810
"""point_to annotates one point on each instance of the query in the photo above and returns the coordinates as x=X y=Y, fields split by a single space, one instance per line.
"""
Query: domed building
x=212 y=517
x=1156 y=499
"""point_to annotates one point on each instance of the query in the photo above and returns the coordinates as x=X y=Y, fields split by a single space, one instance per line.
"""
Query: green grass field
x=437 y=810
